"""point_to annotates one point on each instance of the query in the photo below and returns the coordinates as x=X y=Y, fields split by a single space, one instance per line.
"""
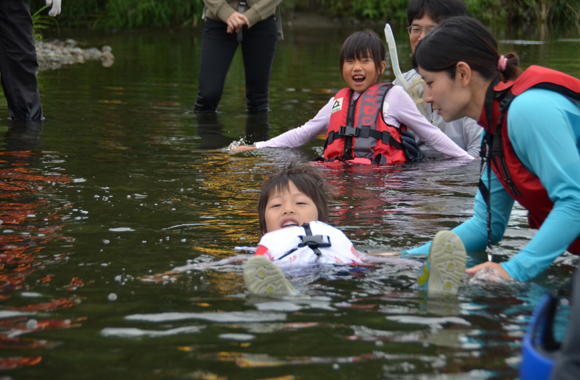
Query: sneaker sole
x=447 y=259
x=263 y=277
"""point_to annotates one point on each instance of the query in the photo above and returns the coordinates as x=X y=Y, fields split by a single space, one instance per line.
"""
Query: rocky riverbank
x=53 y=55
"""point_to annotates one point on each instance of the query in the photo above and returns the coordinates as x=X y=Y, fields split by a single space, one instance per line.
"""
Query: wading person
x=366 y=122
x=229 y=23
x=532 y=139
x=423 y=16
x=18 y=63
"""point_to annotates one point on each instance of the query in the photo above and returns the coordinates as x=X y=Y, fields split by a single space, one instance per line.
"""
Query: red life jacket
x=522 y=185
x=358 y=132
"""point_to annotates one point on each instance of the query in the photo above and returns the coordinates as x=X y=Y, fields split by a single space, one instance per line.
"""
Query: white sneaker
x=444 y=268
x=263 y=277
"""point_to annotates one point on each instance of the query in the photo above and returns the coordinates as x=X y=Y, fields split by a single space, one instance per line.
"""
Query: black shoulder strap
x=382 y=116
x=485 y=162
x=347 y=153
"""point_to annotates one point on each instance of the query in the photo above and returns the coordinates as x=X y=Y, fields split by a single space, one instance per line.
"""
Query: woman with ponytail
x=531 y=122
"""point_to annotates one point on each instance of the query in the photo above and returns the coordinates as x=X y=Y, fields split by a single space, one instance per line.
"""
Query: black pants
x=18 y=64
x=210 y=129
x=567 y=366
x=217 y=52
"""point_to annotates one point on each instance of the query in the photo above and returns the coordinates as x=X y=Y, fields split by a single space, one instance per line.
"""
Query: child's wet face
x=361 y=73
x=289 y=208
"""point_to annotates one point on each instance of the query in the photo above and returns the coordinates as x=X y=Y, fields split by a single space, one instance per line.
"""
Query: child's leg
x=263 y=277
x=444 y=268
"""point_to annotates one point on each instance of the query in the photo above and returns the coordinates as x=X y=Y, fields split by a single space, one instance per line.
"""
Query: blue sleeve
x=473 y=232
x=547 y=122
x=538 y=121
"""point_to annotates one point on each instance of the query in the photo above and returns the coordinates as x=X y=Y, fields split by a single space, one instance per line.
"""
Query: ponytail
x=510 y=70
x=464 y=39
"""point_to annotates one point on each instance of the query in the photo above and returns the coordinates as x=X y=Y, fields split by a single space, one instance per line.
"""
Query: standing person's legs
x=18 y=63
x=259 y=47
x=217 y=52
x=567 y=366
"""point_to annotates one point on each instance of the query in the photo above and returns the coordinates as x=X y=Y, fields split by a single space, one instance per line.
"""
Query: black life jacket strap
x=313 y=242
x=363 y=132
x=347 y=153
x=485 y=162
x=497 y=153
x=379 y=159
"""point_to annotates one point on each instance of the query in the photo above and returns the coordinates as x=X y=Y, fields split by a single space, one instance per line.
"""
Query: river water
x=125 y=184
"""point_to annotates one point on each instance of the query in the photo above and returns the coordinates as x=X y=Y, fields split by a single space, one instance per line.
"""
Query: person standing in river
x=18 y=62
x=423 y=16
x=229 y=23
x=531 y=144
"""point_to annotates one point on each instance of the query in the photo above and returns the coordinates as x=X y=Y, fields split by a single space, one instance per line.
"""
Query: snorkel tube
x=394 y=57
x=410 y=88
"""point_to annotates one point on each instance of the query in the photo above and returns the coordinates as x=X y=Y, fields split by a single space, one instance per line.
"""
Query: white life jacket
x=314 y=242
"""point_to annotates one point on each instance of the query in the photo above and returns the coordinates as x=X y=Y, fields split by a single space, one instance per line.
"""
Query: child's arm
x=297 y=137
x=402 y=110
x=392 y=254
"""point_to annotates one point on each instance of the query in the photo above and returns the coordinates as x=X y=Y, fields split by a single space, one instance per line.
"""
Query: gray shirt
x=465 y=132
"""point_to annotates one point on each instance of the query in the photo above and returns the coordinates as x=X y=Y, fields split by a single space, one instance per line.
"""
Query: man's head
x=424 y=15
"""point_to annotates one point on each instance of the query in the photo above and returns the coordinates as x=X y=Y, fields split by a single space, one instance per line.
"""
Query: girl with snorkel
x=367 y=121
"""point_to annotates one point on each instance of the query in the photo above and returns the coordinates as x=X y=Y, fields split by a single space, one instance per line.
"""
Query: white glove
x=55 y=10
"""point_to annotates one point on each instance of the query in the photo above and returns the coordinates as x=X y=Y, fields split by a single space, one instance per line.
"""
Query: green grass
x=116 y=14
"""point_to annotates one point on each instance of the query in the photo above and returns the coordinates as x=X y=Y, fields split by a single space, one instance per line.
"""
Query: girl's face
x=361 y=73
x=289 y=208
x=449 y=97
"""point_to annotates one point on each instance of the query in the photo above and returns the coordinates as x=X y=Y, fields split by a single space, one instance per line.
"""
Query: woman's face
x=449 y=97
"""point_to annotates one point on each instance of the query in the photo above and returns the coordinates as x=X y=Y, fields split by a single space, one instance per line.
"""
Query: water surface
x=126 y=182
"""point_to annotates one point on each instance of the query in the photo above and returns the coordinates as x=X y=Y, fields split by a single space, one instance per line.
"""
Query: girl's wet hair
x=364 y=44
x=437 y=10
x=307 y=179
x=463 y=39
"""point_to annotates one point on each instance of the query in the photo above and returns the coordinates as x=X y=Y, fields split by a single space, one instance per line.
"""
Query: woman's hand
x=242 y=148
x=489 y=264
x=236 y=22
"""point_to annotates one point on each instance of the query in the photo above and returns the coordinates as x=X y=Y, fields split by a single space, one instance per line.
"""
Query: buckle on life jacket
x=314 y=242
x=386 y=138
x=349 y=131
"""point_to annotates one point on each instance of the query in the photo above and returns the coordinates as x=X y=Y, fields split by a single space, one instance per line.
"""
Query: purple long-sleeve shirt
x=398 y=108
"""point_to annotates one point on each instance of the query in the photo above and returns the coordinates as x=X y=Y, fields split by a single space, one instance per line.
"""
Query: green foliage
x=365 y=9
x=169 y=13
x=139 y=13
x=75 y=13
x=40 y=22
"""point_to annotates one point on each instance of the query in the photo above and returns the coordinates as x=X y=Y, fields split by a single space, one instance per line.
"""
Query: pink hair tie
x=502 y=63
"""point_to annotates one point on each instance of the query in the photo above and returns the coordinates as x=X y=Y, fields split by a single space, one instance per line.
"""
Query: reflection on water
x=30 y=220
x=211 y=130
x=116 y=212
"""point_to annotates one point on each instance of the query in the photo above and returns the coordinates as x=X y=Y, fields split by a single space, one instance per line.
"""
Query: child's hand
x=489 y=264
x=395 y=254
x=241 y=148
